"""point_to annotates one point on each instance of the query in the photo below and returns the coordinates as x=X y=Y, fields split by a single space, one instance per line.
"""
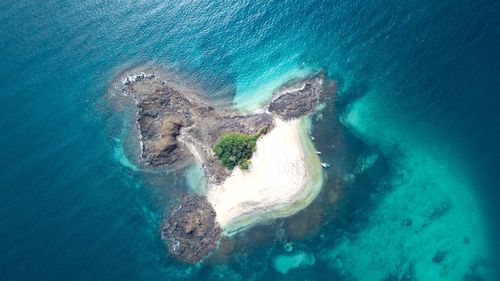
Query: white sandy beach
x=285 y=176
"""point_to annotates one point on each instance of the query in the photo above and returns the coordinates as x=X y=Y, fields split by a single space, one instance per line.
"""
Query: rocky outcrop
x=191 y=230
x=301 y=97
x=159 y=120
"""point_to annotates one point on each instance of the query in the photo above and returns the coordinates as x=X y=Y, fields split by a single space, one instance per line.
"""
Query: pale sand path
x=285 y=176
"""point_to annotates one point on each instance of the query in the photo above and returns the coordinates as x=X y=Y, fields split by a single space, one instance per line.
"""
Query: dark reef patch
x=439 y=257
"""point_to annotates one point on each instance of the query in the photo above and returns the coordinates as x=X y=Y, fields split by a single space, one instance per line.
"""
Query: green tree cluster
x=234 y=149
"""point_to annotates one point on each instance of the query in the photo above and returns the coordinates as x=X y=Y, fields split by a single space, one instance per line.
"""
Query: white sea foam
x=137 y=77
x=254 y=92
x=119 y=155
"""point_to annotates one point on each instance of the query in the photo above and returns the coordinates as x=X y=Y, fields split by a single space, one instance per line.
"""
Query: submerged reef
x=177 y=125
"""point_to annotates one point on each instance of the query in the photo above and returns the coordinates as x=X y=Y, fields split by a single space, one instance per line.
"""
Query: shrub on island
x=236 y=149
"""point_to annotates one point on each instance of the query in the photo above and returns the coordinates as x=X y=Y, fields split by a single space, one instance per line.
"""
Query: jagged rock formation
x=191 y=230
x=299 y=98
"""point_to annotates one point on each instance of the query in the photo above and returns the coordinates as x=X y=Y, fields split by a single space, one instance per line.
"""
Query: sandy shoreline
x=284 y=178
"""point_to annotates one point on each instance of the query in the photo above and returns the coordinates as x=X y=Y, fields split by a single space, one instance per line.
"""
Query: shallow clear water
x=419 y=92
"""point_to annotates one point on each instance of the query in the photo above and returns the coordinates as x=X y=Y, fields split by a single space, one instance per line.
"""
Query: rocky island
x=278 y=176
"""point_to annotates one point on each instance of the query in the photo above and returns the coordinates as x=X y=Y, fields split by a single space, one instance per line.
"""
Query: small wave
x=120 y=157
x=137 y=77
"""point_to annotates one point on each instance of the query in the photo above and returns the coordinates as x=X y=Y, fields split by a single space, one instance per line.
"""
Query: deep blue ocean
x=418 y=88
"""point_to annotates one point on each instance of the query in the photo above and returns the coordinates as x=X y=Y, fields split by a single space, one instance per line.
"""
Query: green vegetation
x=236 y=149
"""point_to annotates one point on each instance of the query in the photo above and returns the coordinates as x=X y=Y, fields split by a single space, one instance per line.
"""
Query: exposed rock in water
x=191 y=230
x=301 y=97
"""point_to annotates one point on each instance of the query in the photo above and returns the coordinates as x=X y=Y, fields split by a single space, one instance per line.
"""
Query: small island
x=258 y=166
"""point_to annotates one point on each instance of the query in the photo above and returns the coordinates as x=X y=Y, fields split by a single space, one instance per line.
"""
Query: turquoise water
x=418 y=92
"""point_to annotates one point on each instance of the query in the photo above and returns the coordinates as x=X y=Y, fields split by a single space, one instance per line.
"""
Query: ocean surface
x=418 y=93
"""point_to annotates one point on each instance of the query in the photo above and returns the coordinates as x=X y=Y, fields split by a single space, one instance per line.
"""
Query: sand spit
x=284 y=177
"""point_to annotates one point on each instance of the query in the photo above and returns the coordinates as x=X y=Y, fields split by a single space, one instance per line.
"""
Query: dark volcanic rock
x=160 y=121
x=191 y=230
x=302 y=97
